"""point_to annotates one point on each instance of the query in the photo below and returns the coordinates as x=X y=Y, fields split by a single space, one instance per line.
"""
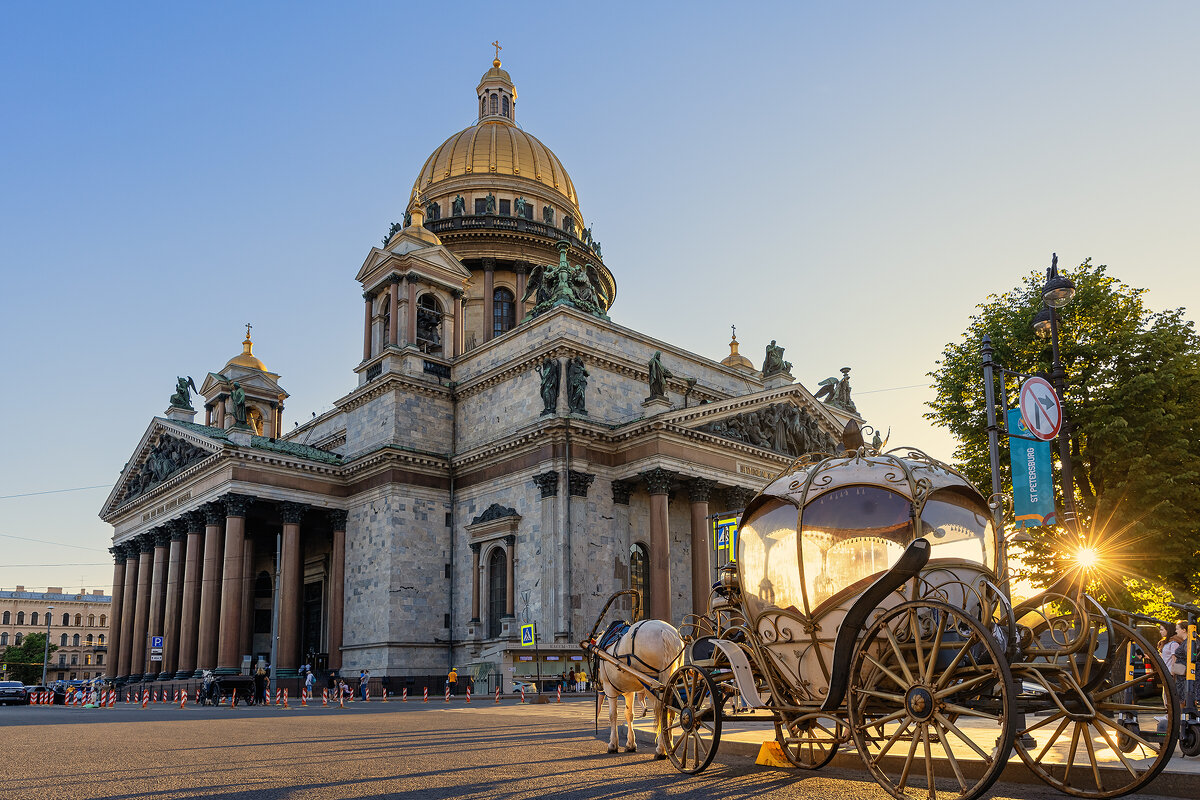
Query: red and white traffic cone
x=285 y=698
x=468 y=694
x=324 y=698
x=278 y=696
x=522 y=693
x=145 y=698
x=447 y=694
x=426 y=700
x=304 y=698
x=404 y=695
x=183 y=699
x=560 y=693
x=497 y=694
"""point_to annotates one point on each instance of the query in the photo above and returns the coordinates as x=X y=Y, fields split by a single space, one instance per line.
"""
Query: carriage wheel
x=810 y=741
x=690 y=725
x=929 y=681
x=1120 y=728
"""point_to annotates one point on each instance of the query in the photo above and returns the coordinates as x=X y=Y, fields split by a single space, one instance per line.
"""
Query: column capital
x=521 y=267
x=214 y=513
x=292 y=513
x=548 y=483
x=511 y=541
x=621 y=490
x=737 y=497
x=118 y=554
x=489 y=264
x=474 y=547
x=337 y=519
x=659 y=480
x=179 y=528
x=699 y=489
x=578 y=482
x=457 y=293
x=195 y=521
x=162 y=535
x=146 y=542
x=236 y=505
x=368 y=296
x=395 y=279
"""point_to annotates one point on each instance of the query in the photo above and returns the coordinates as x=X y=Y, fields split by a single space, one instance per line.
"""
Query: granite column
x=659 y=482
x=189 y=613
x=229 y=637
x=210 y=592
x=287 y=657
x=172 y=615
x=699 y=490
x=118 y=601
x=337 y=586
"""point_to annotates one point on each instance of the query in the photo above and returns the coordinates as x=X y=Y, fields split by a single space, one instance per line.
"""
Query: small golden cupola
x=496 y=92
x=736 y=359
x=244 y=395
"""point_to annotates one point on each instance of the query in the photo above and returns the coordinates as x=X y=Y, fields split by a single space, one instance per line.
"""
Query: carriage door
x=310 y=639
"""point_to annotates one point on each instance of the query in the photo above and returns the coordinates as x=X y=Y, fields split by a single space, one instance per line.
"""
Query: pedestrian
x=452 y=680
x=310 y=681
x=260 y=683
x=364 y=675
x=583 y=682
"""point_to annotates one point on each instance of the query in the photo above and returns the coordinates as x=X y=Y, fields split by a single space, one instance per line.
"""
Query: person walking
x=310 y=681
x=452 y=680
x=260 y=684
x=364 y=675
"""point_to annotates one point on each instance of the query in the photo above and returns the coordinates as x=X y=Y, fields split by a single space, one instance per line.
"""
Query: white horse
x=650 y=646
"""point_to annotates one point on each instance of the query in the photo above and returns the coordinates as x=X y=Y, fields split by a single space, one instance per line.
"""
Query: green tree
x=25 y=659
x=1133 y=402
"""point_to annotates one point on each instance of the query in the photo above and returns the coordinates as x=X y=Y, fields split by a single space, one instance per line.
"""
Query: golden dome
x=736 y=359
x=496 y=146
x=247 y=358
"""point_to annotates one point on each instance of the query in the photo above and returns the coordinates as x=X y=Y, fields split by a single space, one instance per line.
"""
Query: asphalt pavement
x=370 y=751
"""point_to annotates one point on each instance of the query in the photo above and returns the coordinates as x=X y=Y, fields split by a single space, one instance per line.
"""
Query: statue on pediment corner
x=183 y=397
x=773 y=363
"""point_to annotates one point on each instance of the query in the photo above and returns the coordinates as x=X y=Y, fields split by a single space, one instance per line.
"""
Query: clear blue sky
x=849 y=179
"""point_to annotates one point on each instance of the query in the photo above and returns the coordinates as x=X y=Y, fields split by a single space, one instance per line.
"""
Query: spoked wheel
x=1113 y=740
x=690 y=725
x=810 y=741
x=932 y=703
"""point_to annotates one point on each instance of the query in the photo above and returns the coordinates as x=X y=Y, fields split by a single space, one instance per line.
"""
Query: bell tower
x=244 y=387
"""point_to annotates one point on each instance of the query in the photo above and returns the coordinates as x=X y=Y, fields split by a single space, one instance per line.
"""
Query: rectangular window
x=262 y=620
x=87 y=659
x=529 y=211
x=480 y=205
x=506 y=208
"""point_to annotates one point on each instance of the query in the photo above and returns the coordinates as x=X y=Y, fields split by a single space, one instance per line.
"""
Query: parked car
x=12 y=693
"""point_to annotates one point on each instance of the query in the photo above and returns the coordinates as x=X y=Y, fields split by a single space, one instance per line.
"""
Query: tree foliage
x=25 y=659
x=1133 y=405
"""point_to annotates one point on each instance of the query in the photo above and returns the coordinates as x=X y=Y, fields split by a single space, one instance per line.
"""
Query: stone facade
x=78 y=628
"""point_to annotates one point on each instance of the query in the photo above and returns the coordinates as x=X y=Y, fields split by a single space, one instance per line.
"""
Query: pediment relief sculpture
x=781 y=427
x=168 y=456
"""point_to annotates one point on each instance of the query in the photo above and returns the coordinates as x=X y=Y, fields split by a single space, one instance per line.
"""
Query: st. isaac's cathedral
x=508 y=454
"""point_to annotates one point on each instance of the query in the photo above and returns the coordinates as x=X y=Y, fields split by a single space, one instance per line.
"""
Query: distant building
x=78 y=627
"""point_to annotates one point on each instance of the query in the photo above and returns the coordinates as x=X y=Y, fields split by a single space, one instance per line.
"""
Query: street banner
x=1033 y=487
x=724 y=537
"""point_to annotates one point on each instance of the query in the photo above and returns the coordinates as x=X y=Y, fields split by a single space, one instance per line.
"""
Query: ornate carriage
x=869 y=604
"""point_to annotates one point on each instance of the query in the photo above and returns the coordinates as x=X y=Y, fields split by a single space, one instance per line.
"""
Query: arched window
x=262 y=584
x=20 y=617
x=385 y=321
x=429 y=324
x=7 y=618
x=66 y=619
x=91 y=620
x=89 y=640
x=504 y=313
x=33 y=618
x=78 y=620
x=75 y=640
x=3 y=639
x=504 y=107
x=494 y=101
x=62 y=640
x=639 y=573
x=497 y=590
x=103 y=622
x=100 y=640
x=482 y=106
x=17 y=640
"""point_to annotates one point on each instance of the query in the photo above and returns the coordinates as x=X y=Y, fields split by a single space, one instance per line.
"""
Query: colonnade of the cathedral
x=191 y=580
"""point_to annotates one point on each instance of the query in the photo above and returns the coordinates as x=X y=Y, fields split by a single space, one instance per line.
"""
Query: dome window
x=495 y=102
x=482 y=106
x=506 y=208
x=480 y=205
x=504 y=315
x=504 y=107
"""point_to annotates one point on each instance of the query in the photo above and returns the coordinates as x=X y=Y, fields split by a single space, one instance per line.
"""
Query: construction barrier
x=522 y=693
x=366 y=694
x=404 y=695
x=324 y=698
x=468 y=694
x=385 y=695
x=426 y=700
x=145 y=698
x=303 y=698
x=285 y=705
x=341 y=699
x=183 y=699
x=560 y=693
x=447 y=694
x=497 y=694
x=278 y=697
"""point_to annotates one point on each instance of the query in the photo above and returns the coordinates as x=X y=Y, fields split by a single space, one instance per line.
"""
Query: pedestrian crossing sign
x=526 y=635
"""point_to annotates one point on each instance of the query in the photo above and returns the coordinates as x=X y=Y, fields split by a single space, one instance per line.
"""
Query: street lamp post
x=1058 y=291
x=46 y=655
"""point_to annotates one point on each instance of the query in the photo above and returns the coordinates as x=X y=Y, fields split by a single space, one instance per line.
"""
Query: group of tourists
x=573 y=680
x=1172 y=646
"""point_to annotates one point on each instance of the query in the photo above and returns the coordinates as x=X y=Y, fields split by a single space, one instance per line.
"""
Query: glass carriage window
x=639 y=573
x=767 y=558
x=958 y=527
x=850 y=535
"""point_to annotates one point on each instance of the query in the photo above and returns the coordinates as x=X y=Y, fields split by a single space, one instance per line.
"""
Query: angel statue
x=183 y=397
x=564 y=284
x=837 y=392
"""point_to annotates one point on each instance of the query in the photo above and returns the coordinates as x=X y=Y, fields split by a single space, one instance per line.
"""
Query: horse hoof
x=612 y=749
x=630 y=749
x=660 y=756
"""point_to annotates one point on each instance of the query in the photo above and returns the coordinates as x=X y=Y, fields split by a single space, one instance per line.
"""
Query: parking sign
x=156 y=641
